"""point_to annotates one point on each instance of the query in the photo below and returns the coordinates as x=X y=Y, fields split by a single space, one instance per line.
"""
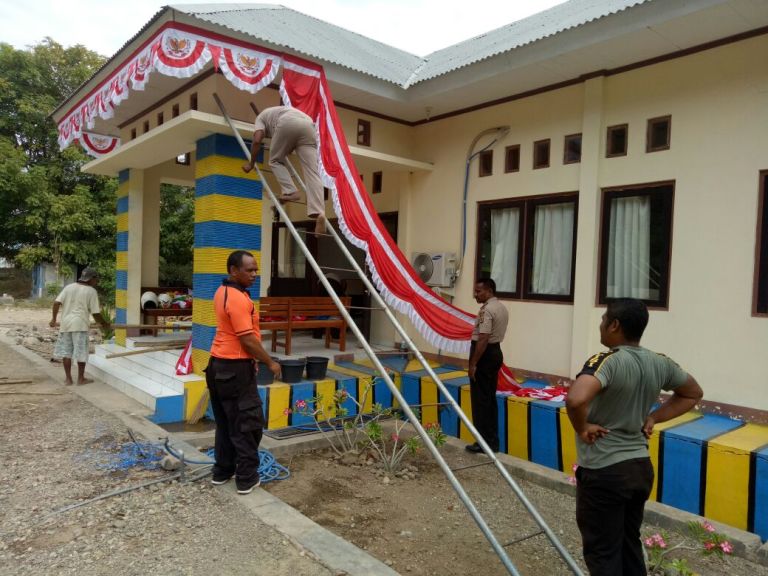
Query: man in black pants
x=231 y=377
x=609 y=406
x=485 y=361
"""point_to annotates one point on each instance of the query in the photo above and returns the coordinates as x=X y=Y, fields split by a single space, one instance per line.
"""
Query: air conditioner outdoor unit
x=435 y=268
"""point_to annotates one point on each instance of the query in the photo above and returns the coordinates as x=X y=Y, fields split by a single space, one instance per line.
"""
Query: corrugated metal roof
x=282 y=26
x=537 y=27
x=288 y=28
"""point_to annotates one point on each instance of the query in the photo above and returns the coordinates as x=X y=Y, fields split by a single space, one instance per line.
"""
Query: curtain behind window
x=552 y=248
x=505 y=232
x=629 y=247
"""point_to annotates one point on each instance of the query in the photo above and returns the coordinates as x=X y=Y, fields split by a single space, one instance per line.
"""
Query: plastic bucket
x=317 y=367
x=265 y=375
x=292 y=370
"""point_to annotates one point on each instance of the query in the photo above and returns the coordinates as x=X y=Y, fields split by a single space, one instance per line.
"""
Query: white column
x=150 y=245
x=135 y=244
x=588 y=233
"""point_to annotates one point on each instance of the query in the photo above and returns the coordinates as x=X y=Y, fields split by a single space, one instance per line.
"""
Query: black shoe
x=474 y=448
x=248 y=489
x=219 y=480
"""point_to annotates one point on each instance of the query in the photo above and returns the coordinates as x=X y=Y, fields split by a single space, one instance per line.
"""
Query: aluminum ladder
x=449 y=473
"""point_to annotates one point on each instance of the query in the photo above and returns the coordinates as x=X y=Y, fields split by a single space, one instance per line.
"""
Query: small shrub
x=708 y=541
x=359 y=432
x=52 y=289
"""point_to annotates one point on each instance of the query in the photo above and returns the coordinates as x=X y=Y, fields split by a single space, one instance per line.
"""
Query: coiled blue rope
x=120 y=457
x=269 y=468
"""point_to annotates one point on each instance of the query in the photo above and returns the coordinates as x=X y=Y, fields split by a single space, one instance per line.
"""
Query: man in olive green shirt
x=609 y=406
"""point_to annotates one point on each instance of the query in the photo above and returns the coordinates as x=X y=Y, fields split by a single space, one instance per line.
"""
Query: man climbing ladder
x=290 y=130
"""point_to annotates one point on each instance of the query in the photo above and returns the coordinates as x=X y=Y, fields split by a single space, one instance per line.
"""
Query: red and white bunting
x=249 y=70
x=97 y=145
x=176 y=51
x=180 y=51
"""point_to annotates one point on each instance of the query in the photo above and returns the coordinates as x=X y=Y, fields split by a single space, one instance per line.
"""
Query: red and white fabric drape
x=445 y=326
x=182 y=51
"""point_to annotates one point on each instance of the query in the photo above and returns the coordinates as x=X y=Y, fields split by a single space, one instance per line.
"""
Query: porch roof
x=179 y=136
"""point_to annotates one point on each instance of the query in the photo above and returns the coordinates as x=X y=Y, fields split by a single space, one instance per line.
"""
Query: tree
x=51 y=211
x=177 y=234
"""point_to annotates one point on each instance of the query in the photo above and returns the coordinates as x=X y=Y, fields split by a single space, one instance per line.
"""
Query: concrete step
x=130 y=382
x=159 y=340
x=160 y=373
x=148 y=365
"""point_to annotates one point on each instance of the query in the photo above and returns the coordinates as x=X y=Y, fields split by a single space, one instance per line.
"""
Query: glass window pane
x=552 y=248
x=762 y=263
x=504 y=239
x=291 y=261
x=633 y=228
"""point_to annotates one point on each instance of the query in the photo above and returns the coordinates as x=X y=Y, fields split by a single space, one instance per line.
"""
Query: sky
x=417 y=26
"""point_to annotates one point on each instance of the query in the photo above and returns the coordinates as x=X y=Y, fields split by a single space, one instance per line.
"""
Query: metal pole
x=380 y=367
x=566 y=556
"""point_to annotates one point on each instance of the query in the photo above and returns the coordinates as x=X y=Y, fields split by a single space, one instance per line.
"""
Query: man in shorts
x=77 y=302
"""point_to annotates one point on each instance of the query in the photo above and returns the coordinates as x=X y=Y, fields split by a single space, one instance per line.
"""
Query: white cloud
x=418 y=26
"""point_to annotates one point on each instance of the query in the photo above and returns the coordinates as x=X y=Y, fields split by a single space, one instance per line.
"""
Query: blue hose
x=269 y=468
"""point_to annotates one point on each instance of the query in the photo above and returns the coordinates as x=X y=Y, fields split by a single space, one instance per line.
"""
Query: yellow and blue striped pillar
x=227 y=218
x=121 y=265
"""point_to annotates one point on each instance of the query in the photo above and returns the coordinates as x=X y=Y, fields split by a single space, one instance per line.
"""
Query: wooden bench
x=290 y=313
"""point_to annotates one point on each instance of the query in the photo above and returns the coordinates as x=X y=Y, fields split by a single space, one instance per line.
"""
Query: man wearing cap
x=77 y=302
x=231 y=377
x=291 y=131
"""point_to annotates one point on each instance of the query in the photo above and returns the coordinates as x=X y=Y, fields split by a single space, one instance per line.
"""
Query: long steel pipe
x=466 y=500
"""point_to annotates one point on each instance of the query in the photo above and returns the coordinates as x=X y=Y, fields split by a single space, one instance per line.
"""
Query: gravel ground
x=51 y=437
x=414 y=524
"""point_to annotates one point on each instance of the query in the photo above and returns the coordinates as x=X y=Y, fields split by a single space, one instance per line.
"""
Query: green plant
x=347 y=433
x=52 y=289
x=708 y=540
x=106 y=313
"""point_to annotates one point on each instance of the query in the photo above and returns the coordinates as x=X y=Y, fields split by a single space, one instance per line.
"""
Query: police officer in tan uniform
x=485 y=361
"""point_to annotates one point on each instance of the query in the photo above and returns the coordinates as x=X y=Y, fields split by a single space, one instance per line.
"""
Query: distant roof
x=281 y=26
x=547 y=23
x=307 y=35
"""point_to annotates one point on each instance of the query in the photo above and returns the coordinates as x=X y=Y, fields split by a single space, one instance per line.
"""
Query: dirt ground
x=420 y=527
x=417 y=525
